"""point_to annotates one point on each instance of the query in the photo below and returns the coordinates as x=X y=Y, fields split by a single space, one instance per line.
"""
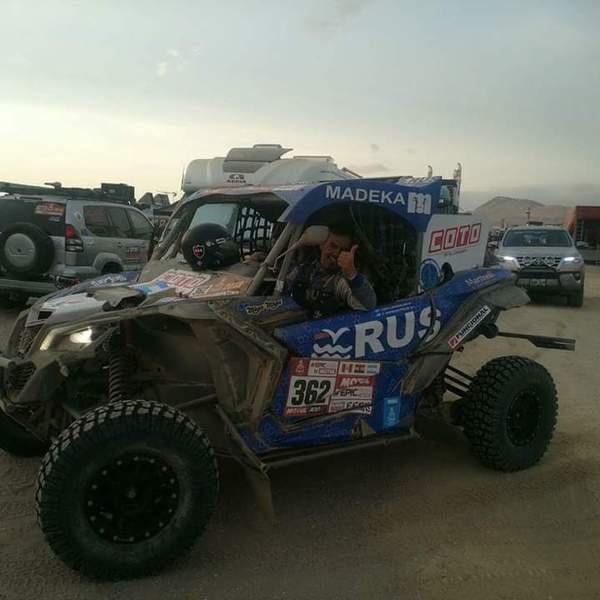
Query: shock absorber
x=121 y=366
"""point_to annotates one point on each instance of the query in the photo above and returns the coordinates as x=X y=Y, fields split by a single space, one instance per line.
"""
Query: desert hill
x=506 y=211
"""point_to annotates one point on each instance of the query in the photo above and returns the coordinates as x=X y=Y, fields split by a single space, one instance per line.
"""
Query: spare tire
x=26 y=250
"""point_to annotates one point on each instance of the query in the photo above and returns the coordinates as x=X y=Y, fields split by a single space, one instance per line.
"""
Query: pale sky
x=131 y=91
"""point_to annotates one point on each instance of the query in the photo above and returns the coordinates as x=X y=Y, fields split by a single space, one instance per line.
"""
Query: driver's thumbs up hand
x=346 y=262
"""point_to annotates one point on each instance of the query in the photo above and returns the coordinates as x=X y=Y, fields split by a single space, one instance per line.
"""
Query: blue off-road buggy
x=138 y=386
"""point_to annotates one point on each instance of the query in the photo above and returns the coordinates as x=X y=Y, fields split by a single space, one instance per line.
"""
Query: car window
x=141 y=227
x=120 y=222
x=96 y=221
x=538 y=238
x=222 y=214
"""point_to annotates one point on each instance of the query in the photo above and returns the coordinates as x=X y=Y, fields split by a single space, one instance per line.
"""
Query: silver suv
x=54 y=235
x=545 y=260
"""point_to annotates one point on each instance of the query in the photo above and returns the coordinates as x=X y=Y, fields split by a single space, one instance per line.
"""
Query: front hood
x=166 y=281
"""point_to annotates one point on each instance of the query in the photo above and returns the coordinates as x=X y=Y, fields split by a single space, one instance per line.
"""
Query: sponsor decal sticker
x=469 y=326
x=416 y=202
x=196 y=285
x=337 y=192
x=300 y=366
x=116 y=278
x=454 y=238
x=391 y=411
x=152 y=288
x=476 y=282
x=183 y=282
x=430 y=274
x=326 y=387
x=50 y=209
x=198 y=251
x=359 y=368
x=326 y=368
x=228 y=285
x=253 y=310
x=419 y=203
x=391 y=333
x=350 y=382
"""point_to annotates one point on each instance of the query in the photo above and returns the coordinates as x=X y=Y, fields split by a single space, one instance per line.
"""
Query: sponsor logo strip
x=469 y=326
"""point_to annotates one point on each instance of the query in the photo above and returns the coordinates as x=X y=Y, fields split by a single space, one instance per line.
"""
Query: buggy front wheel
x=509 y=413
x=126 y=489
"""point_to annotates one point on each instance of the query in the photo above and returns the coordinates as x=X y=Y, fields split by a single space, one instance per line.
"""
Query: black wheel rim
x=132 y=498
x=524 y=416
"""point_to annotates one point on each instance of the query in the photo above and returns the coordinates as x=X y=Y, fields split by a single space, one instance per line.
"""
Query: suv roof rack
x=120 y=193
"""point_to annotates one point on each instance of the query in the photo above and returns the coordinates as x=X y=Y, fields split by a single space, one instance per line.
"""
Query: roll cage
x=271 y=220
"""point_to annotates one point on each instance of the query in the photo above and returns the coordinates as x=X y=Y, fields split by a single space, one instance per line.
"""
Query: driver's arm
x=357 y=293
x=351 y=287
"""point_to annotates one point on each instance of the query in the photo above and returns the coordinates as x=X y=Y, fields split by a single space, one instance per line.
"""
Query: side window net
x=252 y=232
x=388 y=247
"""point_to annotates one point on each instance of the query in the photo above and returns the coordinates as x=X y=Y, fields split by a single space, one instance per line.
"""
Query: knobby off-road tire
x=510 y=413
x=126 y=489
x=16 y=440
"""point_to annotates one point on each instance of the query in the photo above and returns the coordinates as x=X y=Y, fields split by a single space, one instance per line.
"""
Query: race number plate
x=320 y=387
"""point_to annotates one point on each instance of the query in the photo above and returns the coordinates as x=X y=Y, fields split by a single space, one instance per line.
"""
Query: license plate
x=538 y=282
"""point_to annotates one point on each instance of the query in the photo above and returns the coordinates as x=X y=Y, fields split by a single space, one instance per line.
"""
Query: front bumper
x=26 y=390
x=550 y=282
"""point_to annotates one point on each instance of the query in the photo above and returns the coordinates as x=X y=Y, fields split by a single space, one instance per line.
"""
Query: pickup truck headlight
x=570 y=262
x=72 y=340
x=509 y=262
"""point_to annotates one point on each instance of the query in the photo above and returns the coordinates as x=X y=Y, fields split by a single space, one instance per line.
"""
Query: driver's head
x=339 y=240
x=209 y=246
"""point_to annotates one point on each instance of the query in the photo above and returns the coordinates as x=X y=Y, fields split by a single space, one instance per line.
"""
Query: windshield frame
x=181 y=219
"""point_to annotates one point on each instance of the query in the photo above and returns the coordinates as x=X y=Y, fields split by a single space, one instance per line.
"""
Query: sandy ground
x=419 y=521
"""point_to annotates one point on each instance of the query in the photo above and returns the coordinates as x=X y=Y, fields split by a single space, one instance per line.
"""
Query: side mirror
x=580 y=245
x=315 y=235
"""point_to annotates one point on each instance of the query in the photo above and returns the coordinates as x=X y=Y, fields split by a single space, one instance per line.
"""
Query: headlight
x=571 y=261
x=510 y=262
x=74 y=340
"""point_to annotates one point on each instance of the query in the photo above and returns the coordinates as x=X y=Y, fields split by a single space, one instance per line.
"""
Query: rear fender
x=481 y=308
x=505 y=296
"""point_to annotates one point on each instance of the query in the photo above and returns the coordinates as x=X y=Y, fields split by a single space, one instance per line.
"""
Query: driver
x=332 y=283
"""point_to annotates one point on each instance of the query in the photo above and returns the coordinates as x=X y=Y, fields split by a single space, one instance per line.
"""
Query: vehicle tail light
x=73 y=243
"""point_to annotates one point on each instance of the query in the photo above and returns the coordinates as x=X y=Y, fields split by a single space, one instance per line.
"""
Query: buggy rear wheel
x=126 y=489
x=510 y=413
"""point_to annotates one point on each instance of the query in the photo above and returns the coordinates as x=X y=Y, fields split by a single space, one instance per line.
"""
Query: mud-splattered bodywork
x=254 y=357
